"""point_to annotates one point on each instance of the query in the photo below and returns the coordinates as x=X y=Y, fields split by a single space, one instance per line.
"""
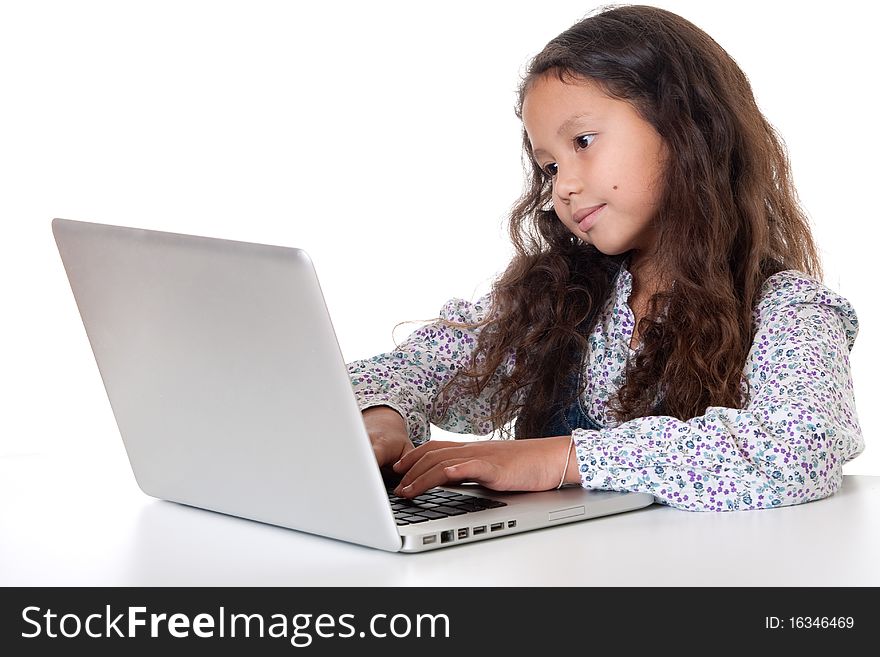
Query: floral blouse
x=786 y=445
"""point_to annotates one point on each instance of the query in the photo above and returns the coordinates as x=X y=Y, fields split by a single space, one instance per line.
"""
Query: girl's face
x=598 y=152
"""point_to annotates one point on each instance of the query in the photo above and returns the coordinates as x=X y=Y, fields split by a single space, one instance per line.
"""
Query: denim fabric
x=566 y=420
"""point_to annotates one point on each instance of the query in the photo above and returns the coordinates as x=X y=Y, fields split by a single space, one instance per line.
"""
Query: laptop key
x=463 y=498
x=411 y=518
x=431 y=515
x=414 y=520
x=450 y=510
x=487 y=503
x=470 y=508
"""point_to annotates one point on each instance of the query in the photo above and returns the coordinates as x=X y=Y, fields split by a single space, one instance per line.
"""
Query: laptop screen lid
x=226 y=379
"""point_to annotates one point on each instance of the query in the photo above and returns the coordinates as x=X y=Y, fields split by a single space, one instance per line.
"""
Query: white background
x=378 y=136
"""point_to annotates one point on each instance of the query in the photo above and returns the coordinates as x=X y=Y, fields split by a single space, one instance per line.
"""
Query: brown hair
x=729 y=217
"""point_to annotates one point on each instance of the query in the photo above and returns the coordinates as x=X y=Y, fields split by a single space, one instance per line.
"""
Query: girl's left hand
x=521 y=465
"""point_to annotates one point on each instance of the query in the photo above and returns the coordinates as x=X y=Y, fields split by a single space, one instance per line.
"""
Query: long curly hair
x=729 y=217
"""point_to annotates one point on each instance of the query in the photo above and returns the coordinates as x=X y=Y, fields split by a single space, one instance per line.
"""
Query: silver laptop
x=231 y=394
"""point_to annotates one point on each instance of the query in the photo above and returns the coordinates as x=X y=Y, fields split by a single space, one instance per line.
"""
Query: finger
x=427 y=459
x=389 y=450
x=476 y=470
x=441 y=473
x=380 y=449
x=385 y=451
x=411 y=457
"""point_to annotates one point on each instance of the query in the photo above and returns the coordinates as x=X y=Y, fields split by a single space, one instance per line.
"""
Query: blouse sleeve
x=789 y=443
x=409 y=378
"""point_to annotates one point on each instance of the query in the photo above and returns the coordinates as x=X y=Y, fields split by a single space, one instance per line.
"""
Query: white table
x=81 y=520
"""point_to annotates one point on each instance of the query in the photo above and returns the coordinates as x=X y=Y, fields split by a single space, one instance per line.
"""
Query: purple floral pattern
x=786 y=445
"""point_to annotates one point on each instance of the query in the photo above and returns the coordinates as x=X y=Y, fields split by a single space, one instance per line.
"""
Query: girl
x=662 y=326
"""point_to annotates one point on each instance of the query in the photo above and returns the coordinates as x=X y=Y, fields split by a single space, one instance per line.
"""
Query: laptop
x=231 y=394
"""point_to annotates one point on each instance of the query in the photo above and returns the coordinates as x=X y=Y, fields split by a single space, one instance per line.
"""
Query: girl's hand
x=388 y=436
x=521 y=465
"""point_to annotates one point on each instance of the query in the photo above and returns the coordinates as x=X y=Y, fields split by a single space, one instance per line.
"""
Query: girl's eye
x=551 y=169
x=580 y=141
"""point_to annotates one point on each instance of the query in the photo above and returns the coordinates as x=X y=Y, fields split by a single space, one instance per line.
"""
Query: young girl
x=662 y=326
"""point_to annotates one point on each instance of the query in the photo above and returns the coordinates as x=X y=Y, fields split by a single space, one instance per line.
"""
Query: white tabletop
x=81 y=520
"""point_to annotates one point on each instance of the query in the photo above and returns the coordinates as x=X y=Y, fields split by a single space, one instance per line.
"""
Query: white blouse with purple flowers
x=786 y=445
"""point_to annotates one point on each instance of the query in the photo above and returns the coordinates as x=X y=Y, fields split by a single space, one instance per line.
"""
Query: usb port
x=480 y=530
x=511 y=523
x=427 y=540
x=448 y=536
x=497 y=525
x=463 y=533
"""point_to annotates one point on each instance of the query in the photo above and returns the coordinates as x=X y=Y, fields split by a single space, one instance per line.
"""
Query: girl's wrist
x=572 y=474
x=565 y=462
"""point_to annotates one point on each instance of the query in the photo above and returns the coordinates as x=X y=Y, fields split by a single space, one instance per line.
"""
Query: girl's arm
x=786 y=447
x=409 y=378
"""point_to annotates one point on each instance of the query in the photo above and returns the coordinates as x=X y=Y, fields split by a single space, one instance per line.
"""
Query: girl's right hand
x=388 y=435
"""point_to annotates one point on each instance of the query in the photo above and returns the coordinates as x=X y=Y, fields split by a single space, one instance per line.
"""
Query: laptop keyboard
x=437 y=503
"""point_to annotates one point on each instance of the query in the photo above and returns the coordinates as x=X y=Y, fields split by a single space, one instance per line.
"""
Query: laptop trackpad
x=570 y=512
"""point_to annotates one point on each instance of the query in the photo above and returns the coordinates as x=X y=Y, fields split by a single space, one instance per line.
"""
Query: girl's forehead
x=550 y=82
x=548 y=98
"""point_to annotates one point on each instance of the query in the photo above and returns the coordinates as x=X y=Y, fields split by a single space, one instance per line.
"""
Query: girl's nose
x=567 y=183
